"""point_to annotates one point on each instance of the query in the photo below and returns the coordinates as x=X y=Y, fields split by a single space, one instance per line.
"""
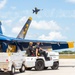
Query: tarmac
x=67 y=62
x=60 y=71
x=66 y=67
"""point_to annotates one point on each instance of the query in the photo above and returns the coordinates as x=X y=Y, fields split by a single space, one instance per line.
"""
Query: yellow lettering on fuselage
x=25 y=30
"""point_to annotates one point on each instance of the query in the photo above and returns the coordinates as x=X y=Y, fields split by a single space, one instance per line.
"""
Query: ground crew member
x=40 y=51
x=30 y=49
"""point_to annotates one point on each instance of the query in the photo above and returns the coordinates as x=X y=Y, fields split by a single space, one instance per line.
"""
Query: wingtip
x=30 y=18
x=71 y=44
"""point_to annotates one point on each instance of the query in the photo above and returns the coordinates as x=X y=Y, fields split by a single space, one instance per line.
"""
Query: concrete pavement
x=60 y=71
x=67 y=67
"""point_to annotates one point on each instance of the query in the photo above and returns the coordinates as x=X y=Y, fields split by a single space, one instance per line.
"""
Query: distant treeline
x=67 y=52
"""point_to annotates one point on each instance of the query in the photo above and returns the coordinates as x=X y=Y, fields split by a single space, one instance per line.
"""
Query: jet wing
x=55 y=45
x=5 y=38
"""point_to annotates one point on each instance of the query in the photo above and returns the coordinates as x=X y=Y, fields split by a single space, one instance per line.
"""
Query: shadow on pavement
x=4 y=73
x=40 y=70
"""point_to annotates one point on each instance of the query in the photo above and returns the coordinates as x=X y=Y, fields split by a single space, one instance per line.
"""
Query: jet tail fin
x=23 y=32
x=1 y=28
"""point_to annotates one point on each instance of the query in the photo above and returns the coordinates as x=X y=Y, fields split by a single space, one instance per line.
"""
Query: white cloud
x=46 y=25
x=23 y=19
x=72 y=1
x=3 y=29
x=2 y=3
x=67 y=28
x=31 y=35
x=59 y=13
x=16 y=30
x=8 y=22
x=52 y=36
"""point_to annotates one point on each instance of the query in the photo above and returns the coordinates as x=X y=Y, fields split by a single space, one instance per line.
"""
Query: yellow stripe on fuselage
x=70 y=44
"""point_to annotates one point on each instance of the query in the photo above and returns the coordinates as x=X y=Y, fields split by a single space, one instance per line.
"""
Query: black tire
x=28 y=68
x=55 y=66
x=12 y=70
x=39 y=65
x=45 y=68
x=22 y=69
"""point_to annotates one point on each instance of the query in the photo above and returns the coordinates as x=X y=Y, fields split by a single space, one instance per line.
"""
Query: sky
x=55 y=22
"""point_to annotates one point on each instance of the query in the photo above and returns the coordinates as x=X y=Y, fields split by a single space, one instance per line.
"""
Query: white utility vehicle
x=11 y=61
x=40 y=63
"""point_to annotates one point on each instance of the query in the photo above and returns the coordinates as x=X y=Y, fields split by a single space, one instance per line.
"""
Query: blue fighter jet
x=36 y=10
x=56 y=45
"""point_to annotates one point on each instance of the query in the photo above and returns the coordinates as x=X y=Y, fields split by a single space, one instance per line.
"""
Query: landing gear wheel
x=22 y=69
x=39 y=65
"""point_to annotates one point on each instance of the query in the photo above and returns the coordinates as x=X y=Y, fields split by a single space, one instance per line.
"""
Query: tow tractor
x=40 y=63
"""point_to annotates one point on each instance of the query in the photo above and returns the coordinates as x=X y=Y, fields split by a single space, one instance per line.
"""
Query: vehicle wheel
x=39 y=65
x=22 y=69
x=45 y=68
x=12 y=70
x=28 y=68
x=55 y=66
